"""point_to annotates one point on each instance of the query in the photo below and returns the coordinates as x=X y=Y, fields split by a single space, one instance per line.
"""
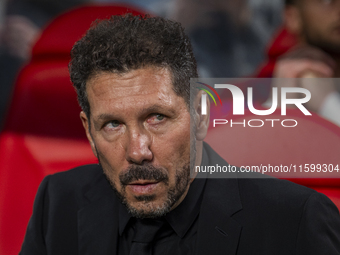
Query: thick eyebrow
x=154 y=109
x=142 y=111
x=102 y=118
x=105 y=116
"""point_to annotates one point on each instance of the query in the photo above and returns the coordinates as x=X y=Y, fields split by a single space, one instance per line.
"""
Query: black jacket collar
x=218 y=232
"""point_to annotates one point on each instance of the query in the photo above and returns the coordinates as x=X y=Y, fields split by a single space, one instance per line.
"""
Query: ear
x=293 y=20
x=201 y=121
x=86 y=124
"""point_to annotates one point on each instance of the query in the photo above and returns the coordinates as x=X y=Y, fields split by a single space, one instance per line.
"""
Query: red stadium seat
x=313 y=141
x=43 y=132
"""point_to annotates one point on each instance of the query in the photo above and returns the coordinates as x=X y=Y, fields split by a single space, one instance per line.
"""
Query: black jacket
x=75 y=213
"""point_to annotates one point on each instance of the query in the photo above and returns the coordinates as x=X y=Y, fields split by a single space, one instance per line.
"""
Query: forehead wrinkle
x=120 y=95
x=110 y=78
x=129 y=91
x=117 y=92
x=111 y=93
x=154 y=108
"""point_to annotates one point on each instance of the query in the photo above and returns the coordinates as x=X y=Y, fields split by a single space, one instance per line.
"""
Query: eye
x=156 y=118
x=160 y=117
x=112 y=125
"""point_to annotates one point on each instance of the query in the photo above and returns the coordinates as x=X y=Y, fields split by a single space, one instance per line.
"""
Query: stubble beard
x=148 y=206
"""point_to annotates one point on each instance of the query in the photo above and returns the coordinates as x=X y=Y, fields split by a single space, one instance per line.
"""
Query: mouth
x=143 y=187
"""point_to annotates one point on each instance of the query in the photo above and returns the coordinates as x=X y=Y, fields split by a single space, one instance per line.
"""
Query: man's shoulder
x=272 y=195
x=270 y=200
x=273 y=189
x=81 y=173
x=78 y=179
x=76 y=188
x=261 y=189
x=268 y=193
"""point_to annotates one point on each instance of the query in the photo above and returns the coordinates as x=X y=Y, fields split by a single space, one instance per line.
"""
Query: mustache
x=144 y=172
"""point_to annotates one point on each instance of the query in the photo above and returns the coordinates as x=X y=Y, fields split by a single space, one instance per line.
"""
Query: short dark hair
x=124 y=43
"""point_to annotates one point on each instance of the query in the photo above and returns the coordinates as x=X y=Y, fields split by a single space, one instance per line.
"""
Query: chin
x=147 y=207
x=156 y=202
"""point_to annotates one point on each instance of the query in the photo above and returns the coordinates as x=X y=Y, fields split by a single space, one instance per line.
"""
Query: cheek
x=174 y=151
x=112 y=151
x=111 y=159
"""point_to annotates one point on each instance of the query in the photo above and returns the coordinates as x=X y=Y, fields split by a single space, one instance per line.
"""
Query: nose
x=138 y=147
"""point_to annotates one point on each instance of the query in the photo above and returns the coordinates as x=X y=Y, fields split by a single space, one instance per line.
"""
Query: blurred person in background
x=157 y=7
x=228 y=37
x=310 y=47
x=25 y=18
x=20 y=24
x=22 y=21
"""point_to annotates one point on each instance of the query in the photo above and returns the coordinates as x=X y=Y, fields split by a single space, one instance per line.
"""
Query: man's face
x=320 y=23
x=140 y=131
